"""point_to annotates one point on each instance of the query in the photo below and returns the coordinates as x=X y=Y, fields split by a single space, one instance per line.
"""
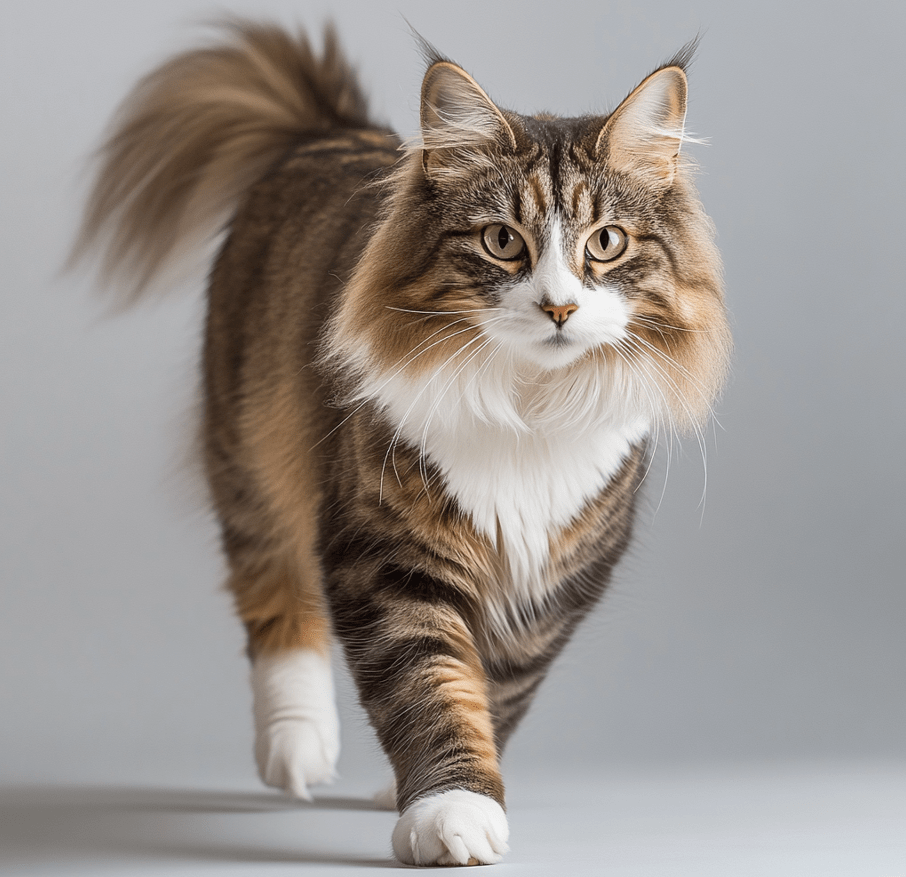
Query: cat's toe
x=451 y=828
x=294 y=754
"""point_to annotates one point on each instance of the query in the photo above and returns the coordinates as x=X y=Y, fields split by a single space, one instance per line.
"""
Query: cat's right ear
x=457 y=118
x=645 y=132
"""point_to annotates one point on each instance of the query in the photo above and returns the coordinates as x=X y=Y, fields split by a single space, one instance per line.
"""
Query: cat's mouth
x=558 y=349
x=559 y=340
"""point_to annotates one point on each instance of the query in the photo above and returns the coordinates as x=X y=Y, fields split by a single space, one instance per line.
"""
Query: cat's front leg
x=422 y=682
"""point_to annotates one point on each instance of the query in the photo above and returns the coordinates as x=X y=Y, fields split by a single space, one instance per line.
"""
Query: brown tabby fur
x=336 y=234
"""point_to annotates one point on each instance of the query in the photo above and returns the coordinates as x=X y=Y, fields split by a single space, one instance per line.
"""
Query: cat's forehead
x=552 y=171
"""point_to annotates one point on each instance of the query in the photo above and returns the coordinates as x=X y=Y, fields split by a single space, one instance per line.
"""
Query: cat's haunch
x=433 y=375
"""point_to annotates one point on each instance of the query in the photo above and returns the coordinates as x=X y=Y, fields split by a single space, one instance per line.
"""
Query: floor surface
x=788 y=821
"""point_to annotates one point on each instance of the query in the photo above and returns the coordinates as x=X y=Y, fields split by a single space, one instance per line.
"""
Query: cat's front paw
x=451 y=828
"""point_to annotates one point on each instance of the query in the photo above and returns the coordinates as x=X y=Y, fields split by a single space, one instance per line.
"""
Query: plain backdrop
x=763 y=622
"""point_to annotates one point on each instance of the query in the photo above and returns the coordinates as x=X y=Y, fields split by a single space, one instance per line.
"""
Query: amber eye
x=606 y=244
x=502 y=242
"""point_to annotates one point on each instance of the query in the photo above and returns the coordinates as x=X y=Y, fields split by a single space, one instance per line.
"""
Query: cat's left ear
x=645 y=132
x=457 y=115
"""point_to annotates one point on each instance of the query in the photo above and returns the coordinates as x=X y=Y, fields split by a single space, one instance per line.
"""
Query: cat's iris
x=606 y=244
x=502 y=242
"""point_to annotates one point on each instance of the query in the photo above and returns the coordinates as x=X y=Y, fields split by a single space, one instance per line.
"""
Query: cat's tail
x=196 y=133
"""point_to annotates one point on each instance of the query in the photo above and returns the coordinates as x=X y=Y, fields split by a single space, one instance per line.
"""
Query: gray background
x=765 y=626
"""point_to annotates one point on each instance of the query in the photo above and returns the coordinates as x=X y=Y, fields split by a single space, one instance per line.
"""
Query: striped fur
x=416 y=446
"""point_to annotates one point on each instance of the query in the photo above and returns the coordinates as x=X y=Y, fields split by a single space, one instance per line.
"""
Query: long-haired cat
x=432 y=377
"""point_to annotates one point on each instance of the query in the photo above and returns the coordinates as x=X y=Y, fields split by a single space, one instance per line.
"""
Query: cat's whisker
x=694 y=422
x=440 y=396
x=443 y=392
x=640 y=379
x=415 y=400
x=703 y=393
x=443 y=313
x=658 y=324
x=644 y=380
x=644 y=347
x=400 y=366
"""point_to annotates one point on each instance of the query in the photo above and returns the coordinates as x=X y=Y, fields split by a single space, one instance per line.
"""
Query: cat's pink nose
x=559 y=313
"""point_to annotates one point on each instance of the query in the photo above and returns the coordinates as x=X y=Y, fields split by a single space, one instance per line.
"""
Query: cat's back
x=290 y=251
x=295 y=240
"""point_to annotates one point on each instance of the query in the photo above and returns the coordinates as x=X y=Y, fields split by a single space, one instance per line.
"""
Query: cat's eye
x=606 y=244
x=502 y=242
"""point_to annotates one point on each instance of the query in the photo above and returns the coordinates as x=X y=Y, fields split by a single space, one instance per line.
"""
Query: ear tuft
x=644 y=134
x=456 y=112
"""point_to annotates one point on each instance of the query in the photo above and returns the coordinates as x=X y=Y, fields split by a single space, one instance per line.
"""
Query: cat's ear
x=645 y=132
x=458 y=115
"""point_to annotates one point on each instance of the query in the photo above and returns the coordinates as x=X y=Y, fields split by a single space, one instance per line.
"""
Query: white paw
x=297 y=731
x=293 y=755
x=452 y=828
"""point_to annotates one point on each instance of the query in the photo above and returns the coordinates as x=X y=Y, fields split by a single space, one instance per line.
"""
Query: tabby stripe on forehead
x=517 y=206
x=556 y=157
x=538 y=193
x=578 y=192
x=596 y=211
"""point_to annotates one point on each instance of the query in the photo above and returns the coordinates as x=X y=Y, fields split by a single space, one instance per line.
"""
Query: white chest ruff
x=522 y=465
x=527 y=487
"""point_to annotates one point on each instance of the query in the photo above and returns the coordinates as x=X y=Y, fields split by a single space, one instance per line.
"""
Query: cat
x=433 y=375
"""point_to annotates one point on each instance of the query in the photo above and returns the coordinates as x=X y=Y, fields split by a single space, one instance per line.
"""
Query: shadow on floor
x=91 y=823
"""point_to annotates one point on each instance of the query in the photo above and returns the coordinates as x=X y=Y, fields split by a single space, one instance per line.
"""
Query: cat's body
x=429 y=388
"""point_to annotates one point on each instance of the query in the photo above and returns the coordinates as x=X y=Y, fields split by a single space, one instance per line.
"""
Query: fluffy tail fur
x=196 y=133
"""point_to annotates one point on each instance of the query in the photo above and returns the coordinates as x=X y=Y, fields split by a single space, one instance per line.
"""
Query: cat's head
x=554 y=251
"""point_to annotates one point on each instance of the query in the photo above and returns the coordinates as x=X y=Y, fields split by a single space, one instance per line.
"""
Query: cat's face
x=550 y=244
x=554 y=253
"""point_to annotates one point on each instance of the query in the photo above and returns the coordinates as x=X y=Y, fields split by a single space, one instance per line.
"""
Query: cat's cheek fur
x=297 y=730
x=452 y=828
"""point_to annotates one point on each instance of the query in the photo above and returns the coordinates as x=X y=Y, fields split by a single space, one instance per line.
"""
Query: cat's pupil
x=605 y=239
x=503 y=238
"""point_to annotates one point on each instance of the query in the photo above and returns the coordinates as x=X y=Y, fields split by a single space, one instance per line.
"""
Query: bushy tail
x=196 y=133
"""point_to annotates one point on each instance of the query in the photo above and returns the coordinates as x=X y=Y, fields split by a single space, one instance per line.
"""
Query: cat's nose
x=559 y=313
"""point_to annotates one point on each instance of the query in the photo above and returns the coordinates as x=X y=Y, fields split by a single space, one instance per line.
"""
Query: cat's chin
x=554 y=354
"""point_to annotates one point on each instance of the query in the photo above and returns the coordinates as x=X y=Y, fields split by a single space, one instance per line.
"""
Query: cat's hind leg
x=297 y=731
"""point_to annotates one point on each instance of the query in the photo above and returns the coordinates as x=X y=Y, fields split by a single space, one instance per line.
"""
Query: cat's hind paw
x=294 y=754
x=451 y=828
x=297 y=731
